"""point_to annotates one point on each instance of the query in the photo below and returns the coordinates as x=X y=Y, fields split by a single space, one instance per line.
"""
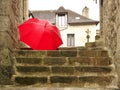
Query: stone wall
x=110 y=27
x=11 y=15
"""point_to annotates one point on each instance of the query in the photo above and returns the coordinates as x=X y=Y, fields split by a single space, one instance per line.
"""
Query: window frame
x=70 y=40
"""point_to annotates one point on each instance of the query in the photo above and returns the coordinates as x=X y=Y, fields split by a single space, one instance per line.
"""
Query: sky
x=74 y=5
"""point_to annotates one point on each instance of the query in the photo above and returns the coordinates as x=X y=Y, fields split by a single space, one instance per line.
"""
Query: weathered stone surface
x=95 y=61
x=33 y=69
x=110 y=27
x=67 y=53
x=102 y=81
x=63 y=53
x=89 y=69
x=9 y=38
x=5 y=40
x=63 y=79
x=6 y=73
x=48 y=88
x=54 y=61
x=5 y=57
x=6 y=68
x=93 y=53
x=29 y=60
x=30 y=80
x=62 y=69
x=4 y=22
x=30 y=53
x=4 y=7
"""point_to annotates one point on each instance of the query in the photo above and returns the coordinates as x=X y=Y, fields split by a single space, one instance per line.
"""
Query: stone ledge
x=6 y=87
x=59 y=53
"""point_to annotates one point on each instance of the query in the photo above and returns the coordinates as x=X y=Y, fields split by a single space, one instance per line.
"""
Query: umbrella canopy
x=40 y=34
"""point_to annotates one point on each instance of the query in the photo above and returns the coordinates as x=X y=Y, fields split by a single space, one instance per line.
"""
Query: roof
x=73 y=17
x=61 y=10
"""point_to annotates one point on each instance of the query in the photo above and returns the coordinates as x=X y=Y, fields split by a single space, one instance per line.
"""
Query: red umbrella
x=40 y=34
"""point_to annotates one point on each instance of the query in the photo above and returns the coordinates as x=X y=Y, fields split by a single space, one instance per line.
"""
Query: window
x=62 y=20
x=70 y=40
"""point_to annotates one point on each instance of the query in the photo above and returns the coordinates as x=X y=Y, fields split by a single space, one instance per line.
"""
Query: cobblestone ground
x=46 y=88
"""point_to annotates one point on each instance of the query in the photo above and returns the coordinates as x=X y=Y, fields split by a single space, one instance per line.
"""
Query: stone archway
x=13 y=12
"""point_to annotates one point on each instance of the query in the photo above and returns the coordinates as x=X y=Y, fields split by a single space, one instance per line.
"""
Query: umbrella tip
x=31 y=14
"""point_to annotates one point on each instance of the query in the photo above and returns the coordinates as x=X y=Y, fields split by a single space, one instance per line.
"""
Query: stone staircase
x=67 y=67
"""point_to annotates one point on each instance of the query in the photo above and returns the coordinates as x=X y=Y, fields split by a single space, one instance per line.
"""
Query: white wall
x=80 y=34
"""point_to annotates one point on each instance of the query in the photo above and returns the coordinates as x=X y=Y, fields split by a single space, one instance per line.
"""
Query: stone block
x=63 y=79
x=30 y=80
x=29 y=60
x=102 y=81
x=64 y=70
x=94 y=61
x=53 y=53
x=102 y=53
x=68 y=48
x=90 y=45
x=33 y=69
x=89 y=69
x=79 y=61
x=82 y=53
x=93 y=53
x=102 y=61
x=30 y=53
x=54 y=61
x=68 y=53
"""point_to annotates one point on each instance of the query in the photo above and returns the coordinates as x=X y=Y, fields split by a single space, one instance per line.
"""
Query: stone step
x=76 y=67
x=66 y=81
x=68 y=48
x=63 y=70
x=61 y=48
x=51 y=61
x=60 y=53
x=72 y=48
x=50 y=88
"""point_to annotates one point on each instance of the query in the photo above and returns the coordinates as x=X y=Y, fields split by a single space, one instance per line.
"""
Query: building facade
x=74 y=28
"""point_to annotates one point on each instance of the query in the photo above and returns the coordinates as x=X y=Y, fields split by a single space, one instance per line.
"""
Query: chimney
x=85 y=12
